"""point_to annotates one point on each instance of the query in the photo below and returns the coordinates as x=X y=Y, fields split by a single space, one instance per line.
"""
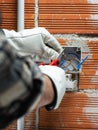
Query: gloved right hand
x=21 y=85
x=60 y=81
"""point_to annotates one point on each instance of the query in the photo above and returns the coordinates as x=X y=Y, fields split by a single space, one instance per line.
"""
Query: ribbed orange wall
x=69 y=16
x=78 y=110
x=9 y=13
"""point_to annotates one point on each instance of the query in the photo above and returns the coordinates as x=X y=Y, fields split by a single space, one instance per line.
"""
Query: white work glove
x=36 y=41
x=58 y=76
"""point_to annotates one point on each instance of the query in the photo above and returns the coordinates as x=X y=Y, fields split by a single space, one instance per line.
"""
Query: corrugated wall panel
x=89 y=74
x=63 y=16
x=29 y=13
x=78 y=111
x=9 y=14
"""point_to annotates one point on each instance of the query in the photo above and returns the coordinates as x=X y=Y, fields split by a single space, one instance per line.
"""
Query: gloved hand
x=57 y=75
x=36 y=41
x=60 y=81
x=21 y=84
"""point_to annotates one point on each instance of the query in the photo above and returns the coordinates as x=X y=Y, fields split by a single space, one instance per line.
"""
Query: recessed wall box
x=70 y=62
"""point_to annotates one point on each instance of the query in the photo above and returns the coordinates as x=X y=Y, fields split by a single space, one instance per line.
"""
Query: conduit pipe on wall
x=20 y=26
x=20 y=15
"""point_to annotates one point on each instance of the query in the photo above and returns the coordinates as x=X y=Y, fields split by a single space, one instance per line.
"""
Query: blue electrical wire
x=62 y=63
x=81 y=62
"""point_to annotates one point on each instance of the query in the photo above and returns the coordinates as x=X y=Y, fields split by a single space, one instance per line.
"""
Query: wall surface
x=73 y=23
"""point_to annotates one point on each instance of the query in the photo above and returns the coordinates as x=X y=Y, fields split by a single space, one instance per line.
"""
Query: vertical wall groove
x=36 y=13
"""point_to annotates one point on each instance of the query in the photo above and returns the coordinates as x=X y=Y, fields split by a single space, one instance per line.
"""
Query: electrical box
x=70 y=62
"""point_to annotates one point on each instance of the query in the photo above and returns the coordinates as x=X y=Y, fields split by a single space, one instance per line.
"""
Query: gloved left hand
x=36 y=41
x=21 y=85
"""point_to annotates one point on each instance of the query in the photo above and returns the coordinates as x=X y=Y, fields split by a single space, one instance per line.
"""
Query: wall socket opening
x=70 y=62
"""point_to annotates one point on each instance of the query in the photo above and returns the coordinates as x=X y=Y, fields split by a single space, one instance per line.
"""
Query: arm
x=28 y=85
